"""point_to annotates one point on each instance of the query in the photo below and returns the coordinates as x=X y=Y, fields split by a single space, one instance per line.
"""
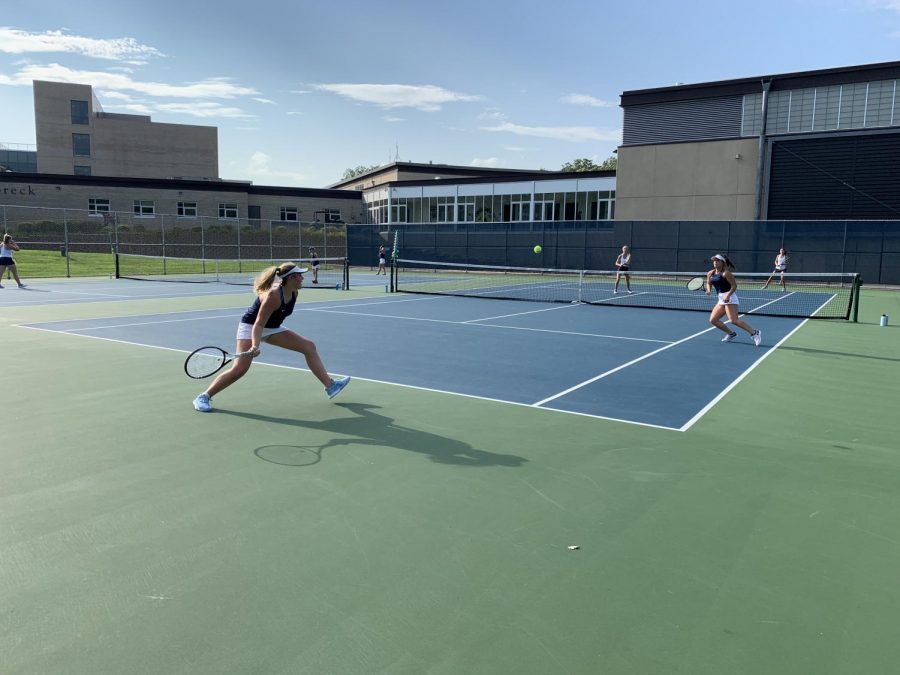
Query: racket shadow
x=368 y=427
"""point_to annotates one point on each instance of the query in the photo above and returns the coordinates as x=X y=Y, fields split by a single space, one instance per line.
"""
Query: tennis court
x=734 y=508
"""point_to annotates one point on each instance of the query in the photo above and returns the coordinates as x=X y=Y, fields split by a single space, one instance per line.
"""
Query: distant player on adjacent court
x=623 y=264
x=262 y=323
x=381 y=261
x=7 y=246
x=314 y=263
x=721 y=278
x=781 y=261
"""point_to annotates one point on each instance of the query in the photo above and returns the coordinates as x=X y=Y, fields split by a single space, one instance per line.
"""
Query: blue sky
x=300 y=93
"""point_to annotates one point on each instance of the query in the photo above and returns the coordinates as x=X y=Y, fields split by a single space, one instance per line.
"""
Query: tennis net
x=820 y=296
x=333 y=272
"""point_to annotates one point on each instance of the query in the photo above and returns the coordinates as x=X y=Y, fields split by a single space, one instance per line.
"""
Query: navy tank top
x=278 y=316
x=720 y=283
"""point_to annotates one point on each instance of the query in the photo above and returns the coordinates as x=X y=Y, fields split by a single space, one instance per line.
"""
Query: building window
x=228 y=211
x=81 y=145
x=97 y=206
x=187 y=209
x=290 y=213
x=82 y=170
x=465 y=209
x=333 y=216
x=79 y=112
x=144 y=207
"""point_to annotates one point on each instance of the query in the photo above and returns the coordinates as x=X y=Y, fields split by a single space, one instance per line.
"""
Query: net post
x=346 y=274
x=116 y=258
x=393 y=285
x=857 y=282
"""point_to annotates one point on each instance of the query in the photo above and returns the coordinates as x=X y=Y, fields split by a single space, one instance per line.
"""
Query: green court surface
x=402 y=531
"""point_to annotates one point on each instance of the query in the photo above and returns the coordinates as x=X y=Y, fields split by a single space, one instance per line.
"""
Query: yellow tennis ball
x=537 y=249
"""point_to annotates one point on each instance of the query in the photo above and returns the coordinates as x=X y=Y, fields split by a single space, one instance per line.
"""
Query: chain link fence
x=71 y=242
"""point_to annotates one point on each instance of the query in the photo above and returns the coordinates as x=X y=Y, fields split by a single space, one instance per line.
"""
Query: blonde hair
x=266 y=278
x=7 y=238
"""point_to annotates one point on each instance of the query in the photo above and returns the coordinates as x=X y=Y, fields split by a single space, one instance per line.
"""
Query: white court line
x=533 y=311
x=653 y=353
x=705 y=409
x=618 y=368
x=366 y=379
x=485 y=325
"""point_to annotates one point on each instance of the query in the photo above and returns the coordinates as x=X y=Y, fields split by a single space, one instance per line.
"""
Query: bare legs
x=12 y=269
x=715 y=318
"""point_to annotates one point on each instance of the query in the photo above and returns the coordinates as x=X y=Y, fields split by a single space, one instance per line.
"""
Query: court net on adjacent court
x=333 y=272
x=820 y=296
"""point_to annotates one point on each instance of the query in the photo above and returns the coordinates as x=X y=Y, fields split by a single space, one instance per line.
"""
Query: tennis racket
x=208 y=361
x=696 y=284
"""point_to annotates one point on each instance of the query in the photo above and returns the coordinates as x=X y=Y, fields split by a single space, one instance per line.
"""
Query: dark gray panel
x=683 y=121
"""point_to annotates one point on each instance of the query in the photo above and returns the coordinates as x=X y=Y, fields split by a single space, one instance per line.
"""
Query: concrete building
x=819 y=144
x=75 y=136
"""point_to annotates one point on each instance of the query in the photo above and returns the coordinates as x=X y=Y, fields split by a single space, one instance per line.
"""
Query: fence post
x=66 y=242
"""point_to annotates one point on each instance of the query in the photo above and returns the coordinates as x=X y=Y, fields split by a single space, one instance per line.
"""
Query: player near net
x=262 y=322
x=721 y=278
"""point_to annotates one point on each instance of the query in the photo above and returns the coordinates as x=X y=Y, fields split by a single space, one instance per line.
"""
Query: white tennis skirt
x=733 y=301
x=245 y=331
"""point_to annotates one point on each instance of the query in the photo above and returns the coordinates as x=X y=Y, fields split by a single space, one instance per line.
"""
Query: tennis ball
x=537 y=249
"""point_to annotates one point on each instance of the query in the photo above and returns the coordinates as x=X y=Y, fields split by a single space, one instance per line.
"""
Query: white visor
x=294 y=270
x=718 y=257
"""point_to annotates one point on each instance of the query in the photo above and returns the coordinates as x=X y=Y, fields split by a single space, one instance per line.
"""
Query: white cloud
x=891 y=5
x=488 y=162
x=491 y=114
x=295 y=112
x=584 y=99
x=214 y=87
x=516 y=148
x=259 y=169
x=428 y=98
x=388 y=118
x=14 y=41
x=202 y=109
x=264 y=100
x=300 y=91
x=572 y=134
x=137 y=108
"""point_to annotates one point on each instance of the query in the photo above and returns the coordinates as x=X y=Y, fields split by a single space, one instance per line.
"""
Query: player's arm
x=14 y=246
x=271 y=302
x=708 y=286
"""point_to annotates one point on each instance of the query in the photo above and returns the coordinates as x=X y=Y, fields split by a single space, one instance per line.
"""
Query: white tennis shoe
x=757 y=338
x=729 y=338
x=203 y=403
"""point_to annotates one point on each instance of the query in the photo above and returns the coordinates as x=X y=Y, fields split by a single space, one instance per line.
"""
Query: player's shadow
x=367 y=427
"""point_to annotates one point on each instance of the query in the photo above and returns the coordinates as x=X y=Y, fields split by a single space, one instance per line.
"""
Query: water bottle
x=884 y=320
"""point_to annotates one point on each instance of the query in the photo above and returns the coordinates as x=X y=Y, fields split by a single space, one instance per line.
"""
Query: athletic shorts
x=623 y=268
x=381 y=261
x=733 y=301
x=245 y=331
x=6 y=261
x=779 y=270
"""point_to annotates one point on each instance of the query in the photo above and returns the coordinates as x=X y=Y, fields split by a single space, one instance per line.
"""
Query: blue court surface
x=641 y=366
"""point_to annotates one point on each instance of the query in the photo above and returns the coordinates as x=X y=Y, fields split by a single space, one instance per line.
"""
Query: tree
x=358 y=171
x=585 y=164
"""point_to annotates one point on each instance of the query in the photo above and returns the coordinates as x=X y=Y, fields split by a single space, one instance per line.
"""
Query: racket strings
x=204 y=362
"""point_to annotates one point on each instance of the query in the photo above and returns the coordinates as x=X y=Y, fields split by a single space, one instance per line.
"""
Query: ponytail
x=266 y=278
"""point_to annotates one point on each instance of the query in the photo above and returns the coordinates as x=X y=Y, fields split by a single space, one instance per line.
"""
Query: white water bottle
x=884 y=320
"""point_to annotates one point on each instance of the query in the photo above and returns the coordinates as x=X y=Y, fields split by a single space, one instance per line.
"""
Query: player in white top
x=7 y=246
x=781 y=261
x=623 y=264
